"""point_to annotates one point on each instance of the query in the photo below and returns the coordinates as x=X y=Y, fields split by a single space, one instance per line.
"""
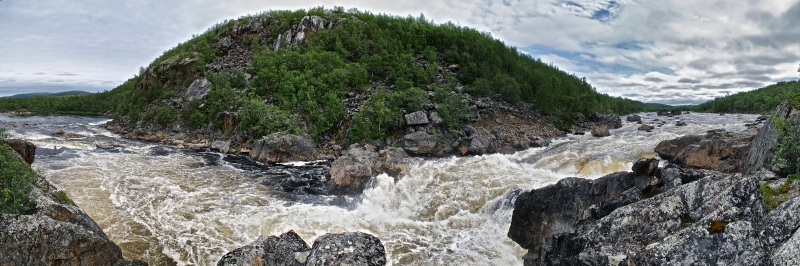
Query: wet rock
x=199 y=88
x=24 y=148
x=416 y=118
x=646 y=127
x=72 y=135
x=284 y=147
x=351 y=172
x=347 y=249
x=420 y=143
x=601 y=132
x=287 y=249
x=647 y=166
x=219 y=146
x=663 y=112
x=58 y=132
x=680 y=124
x=670 y=149
x=506 y=150
x=634 y=118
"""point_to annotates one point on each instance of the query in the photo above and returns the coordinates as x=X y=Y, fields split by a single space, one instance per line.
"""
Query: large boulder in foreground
x=352 y=248
x=351 y=172
x=718 y=150
x=284 y=147
x=686 y=217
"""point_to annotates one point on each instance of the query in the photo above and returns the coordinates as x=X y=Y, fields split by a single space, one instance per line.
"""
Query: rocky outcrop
x=198 y=89
x=352 y=248
x=420 y=143
x=718 y=150
x=760 y=153
x=608 y=119
x=686 y=217
x=25 y=149
x=284 y=147
x=351 y=172
x=220 y=146
x=54 y=232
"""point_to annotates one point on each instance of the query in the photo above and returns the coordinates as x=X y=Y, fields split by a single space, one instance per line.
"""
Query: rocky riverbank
x=54 y=231
x=682 y=214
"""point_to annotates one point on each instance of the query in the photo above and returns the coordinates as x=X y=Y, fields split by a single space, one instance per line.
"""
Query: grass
x=775 y=197
x=62 y=196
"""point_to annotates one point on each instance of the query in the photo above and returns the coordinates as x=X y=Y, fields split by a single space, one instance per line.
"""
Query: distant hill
x=758 y=101
x=48 y=94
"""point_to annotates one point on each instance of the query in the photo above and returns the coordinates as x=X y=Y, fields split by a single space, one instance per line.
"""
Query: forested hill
x=758 y=101
x=280 y=70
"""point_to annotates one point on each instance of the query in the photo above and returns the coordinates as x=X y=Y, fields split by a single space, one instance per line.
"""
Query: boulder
x=351 y=172
x=24 y=148
x=646 y=127
x=284 y=147
x=646 y=166
x=55 y=233
x=416 y=118
x=72 y=135
x=608 y=119
x=352 y=248
x=219 y=146
x=420 y=143
x=634 y=118
x=680 y=124
x=478 y=145
x=286 y=249
x=200 y=87
x=436 y=119
x=663 y=112
x=717 y=150
x=601 y=132
x=58 y=132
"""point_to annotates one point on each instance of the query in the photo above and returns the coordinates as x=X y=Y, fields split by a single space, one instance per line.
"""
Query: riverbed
x=189 y=207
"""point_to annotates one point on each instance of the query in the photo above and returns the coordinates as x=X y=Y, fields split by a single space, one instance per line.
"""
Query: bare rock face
x=284 y=147
x=351 y=248
x=718 y=150
x=420 y=143
x=25 y=149
x=55 y=234
x=351 y=172
x=200 y=87
x=760 y=153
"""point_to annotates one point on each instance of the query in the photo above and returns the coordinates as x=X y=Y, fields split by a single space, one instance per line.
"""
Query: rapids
x=180 y=207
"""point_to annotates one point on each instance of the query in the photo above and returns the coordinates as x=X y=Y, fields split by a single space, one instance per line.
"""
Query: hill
x=48 y=94
x=340 y=77
x=760 y=101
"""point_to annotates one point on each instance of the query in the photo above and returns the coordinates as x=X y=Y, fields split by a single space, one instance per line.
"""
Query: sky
x=666 y=51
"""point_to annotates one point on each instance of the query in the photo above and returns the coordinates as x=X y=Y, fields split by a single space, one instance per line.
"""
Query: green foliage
x=262 y=119
x=165 y=115
x=775 y=197
x=379 y=116
x=62 y=196
x=758 y=101
x=787 y=149
x=563 y=124
x=16 y=178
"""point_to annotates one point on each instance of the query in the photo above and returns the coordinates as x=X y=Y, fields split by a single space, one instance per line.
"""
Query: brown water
x=172 y=207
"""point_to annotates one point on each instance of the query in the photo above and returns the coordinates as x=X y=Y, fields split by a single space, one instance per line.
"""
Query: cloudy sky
x=667 y=51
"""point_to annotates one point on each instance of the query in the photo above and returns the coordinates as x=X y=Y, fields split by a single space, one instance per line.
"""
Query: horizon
x=670 y=52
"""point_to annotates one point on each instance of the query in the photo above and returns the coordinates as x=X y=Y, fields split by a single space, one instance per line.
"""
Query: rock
x=55 y=234
x=24 y=148
x=478 y=145
x=436 y=119
x=646 y=166
x=675 y=112
x=347 y=249
x=634 y=118
x=663 y=112
x=680 y=124
x=351 y=172
x=506 y=150
x=720 y=151
x=287 y=249
x=416 y=118
x=646 y=127
x=58 y=132
x=219 y=146
x=420 y=143
x=284 y=147
x=786 y=254
x=608 y=119
x=781 y=223
x=72 y=135
x=761 y=152
x=199 y=89
x=601 y=132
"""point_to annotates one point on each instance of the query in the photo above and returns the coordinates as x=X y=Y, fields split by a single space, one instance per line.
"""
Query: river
x=180 y=207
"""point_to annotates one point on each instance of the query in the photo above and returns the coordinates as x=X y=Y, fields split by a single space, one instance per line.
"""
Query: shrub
x=787 y=150
x=16 y=178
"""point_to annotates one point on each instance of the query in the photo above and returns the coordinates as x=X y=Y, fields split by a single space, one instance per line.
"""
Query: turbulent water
x=177 y=207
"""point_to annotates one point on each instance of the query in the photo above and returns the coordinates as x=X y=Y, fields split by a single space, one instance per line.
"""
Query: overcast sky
x=667 y=51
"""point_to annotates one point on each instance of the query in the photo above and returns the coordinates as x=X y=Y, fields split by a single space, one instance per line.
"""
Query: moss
x=775 y=197
x=62 y=196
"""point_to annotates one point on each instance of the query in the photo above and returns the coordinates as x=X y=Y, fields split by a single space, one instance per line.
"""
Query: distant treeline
x=760 y=101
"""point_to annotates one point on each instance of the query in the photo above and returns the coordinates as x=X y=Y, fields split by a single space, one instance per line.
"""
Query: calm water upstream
x=177 y=207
